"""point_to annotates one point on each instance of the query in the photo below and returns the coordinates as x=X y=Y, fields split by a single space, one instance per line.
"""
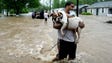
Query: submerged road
x=27 y=40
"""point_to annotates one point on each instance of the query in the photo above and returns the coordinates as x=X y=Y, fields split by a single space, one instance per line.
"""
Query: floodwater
x=27 y=40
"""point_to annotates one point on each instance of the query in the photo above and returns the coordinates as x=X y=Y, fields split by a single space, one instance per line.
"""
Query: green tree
x=74 y=1
x=19 y=5
x=62 y=4
x=33 y=3
x=43 y=7
x=0 y=6
x=83 y=1
x=56 y=3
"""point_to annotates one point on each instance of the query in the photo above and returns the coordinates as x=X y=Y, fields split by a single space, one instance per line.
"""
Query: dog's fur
x=73 y=23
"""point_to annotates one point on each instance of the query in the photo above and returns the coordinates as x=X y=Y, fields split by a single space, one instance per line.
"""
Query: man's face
x=71 y=7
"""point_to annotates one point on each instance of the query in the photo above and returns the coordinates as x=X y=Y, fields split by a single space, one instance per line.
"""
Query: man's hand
x=57 y=25
x=81 y=25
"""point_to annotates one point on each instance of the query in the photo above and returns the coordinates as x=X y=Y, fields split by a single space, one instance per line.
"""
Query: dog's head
x=57 y=17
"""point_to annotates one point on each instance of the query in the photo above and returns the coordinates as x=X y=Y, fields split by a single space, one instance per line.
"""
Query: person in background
x=45 y=15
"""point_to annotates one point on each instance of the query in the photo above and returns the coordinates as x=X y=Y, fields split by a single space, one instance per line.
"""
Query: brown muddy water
x=27 y=40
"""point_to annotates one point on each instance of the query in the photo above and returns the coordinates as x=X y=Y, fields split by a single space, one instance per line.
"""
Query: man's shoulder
x=72 y=13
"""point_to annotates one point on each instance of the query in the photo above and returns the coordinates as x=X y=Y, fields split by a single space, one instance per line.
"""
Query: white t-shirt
x=45 y=15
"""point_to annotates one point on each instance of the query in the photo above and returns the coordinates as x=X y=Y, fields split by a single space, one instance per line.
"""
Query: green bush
x=42 y=8
x=0 y=10
x=25 y=10
x=86 y=13
x=11 y=11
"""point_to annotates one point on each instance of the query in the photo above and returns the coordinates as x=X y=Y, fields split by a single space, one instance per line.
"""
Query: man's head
x=69 y=5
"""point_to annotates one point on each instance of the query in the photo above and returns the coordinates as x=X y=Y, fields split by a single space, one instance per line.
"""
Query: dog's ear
x=59 y=13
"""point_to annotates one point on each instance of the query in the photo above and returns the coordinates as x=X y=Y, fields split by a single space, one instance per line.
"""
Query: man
x=66 y=43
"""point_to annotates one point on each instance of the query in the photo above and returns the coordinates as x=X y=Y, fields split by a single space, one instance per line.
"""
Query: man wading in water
x=66 y=44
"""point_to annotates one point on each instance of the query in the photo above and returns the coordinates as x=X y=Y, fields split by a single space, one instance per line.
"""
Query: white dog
x=70 y=23
x=73 y=23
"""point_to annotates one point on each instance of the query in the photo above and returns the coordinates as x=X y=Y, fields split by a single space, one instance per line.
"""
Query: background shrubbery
x=24 y=10
x=86 y=13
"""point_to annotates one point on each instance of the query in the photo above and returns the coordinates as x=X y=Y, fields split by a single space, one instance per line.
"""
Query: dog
x=72 y=23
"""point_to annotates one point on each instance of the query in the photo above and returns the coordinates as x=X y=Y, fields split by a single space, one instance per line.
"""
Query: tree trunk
x=17 y=11
x=7 y=12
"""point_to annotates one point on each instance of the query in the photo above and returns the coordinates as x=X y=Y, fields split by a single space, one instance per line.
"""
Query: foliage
x=87 y=1
x=19 y=5
x=24 y=10
x=33 y=3
x=74 y=1
x=0 y=5
x=12 y=11
x=62 y=4
x=56 y=3
x=42 y=7
x=86 y=13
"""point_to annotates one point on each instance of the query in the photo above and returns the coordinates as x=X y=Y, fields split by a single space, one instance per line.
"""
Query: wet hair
x=68 y=3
